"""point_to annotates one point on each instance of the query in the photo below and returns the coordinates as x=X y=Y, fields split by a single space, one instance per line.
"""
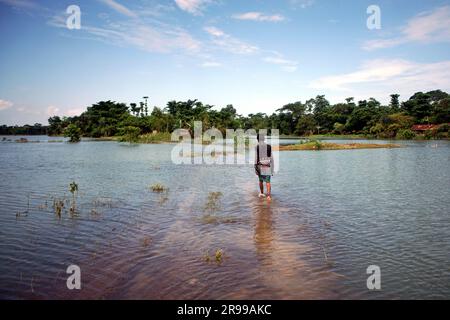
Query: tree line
x=314 y=116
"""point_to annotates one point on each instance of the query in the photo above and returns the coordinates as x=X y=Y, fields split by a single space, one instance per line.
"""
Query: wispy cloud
x=210 y=64
x=154 y=36
x=382 y=76
x=229 y=43
x=119 y=8
x=258 y=16
x=286 y=65
x=52 y=111
x=302 y=3
x=427 y=27
x=23 y=4
x=5 y=104
x=192 y=6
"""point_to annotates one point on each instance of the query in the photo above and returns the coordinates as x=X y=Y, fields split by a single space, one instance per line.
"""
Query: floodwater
x=333 y=214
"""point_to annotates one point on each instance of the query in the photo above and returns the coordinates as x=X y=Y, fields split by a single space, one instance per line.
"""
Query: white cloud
x=52 y=111
x=258 y=16
x=210 y=64
x=229 y=43
x=4 y=104
x=427 y=27
x=286 y=65
x=119 y=8
x=379 y=78
x=148 y=36
x=192 y=6
x=215 y=31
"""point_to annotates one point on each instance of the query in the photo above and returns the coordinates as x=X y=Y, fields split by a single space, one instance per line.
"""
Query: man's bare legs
x=261 y=189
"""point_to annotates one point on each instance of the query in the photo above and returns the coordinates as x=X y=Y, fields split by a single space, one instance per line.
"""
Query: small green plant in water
x=73 y=188
x=146 y=241
x=212 y=203
x=158 y=188
x=24 y=213
x=219 y=255
x=58 y=206
x=206 y=257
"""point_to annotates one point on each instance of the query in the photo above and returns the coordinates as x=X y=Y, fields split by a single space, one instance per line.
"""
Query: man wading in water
x=264 y=165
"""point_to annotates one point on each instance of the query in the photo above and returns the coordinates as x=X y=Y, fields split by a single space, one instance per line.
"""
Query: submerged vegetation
x=213 y=201
x=58 y=206
x=73 y=188
x=159 y=188
x=215 y=219
x=211 y=207
x=217 y=257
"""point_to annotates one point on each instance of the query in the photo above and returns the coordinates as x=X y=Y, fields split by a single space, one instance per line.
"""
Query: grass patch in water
x=58 y=206
x=159 y=188
x=213 y=201
x=217 y=257
x=146 y=241
x=214 y=219
x=73 y=188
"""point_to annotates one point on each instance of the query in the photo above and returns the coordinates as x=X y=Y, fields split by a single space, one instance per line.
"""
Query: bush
x=130 y=134
x=441 y=135
x=405 y=134
x=73 y=132
x=338 y=128
x=376 y=129
x=444 y=128
x=429 y=134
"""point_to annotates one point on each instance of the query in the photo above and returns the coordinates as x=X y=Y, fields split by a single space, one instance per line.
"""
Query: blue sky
x=257 y=55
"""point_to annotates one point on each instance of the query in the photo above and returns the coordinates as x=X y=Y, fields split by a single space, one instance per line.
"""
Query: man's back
x=264 y=159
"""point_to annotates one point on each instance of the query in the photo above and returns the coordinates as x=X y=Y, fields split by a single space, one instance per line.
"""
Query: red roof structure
x=425 y=127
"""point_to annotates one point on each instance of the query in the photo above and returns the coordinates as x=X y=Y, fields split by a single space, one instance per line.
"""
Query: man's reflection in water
x=264 y=232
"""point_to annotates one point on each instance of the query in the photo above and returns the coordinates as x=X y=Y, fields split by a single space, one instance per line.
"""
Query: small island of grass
x=318 y=145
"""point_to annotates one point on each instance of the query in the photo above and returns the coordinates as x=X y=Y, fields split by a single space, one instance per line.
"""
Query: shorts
x=264 y=178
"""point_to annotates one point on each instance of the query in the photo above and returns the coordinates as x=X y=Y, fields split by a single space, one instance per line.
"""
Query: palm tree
x=141 y=109
x=133 y=107
x=146 y=106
